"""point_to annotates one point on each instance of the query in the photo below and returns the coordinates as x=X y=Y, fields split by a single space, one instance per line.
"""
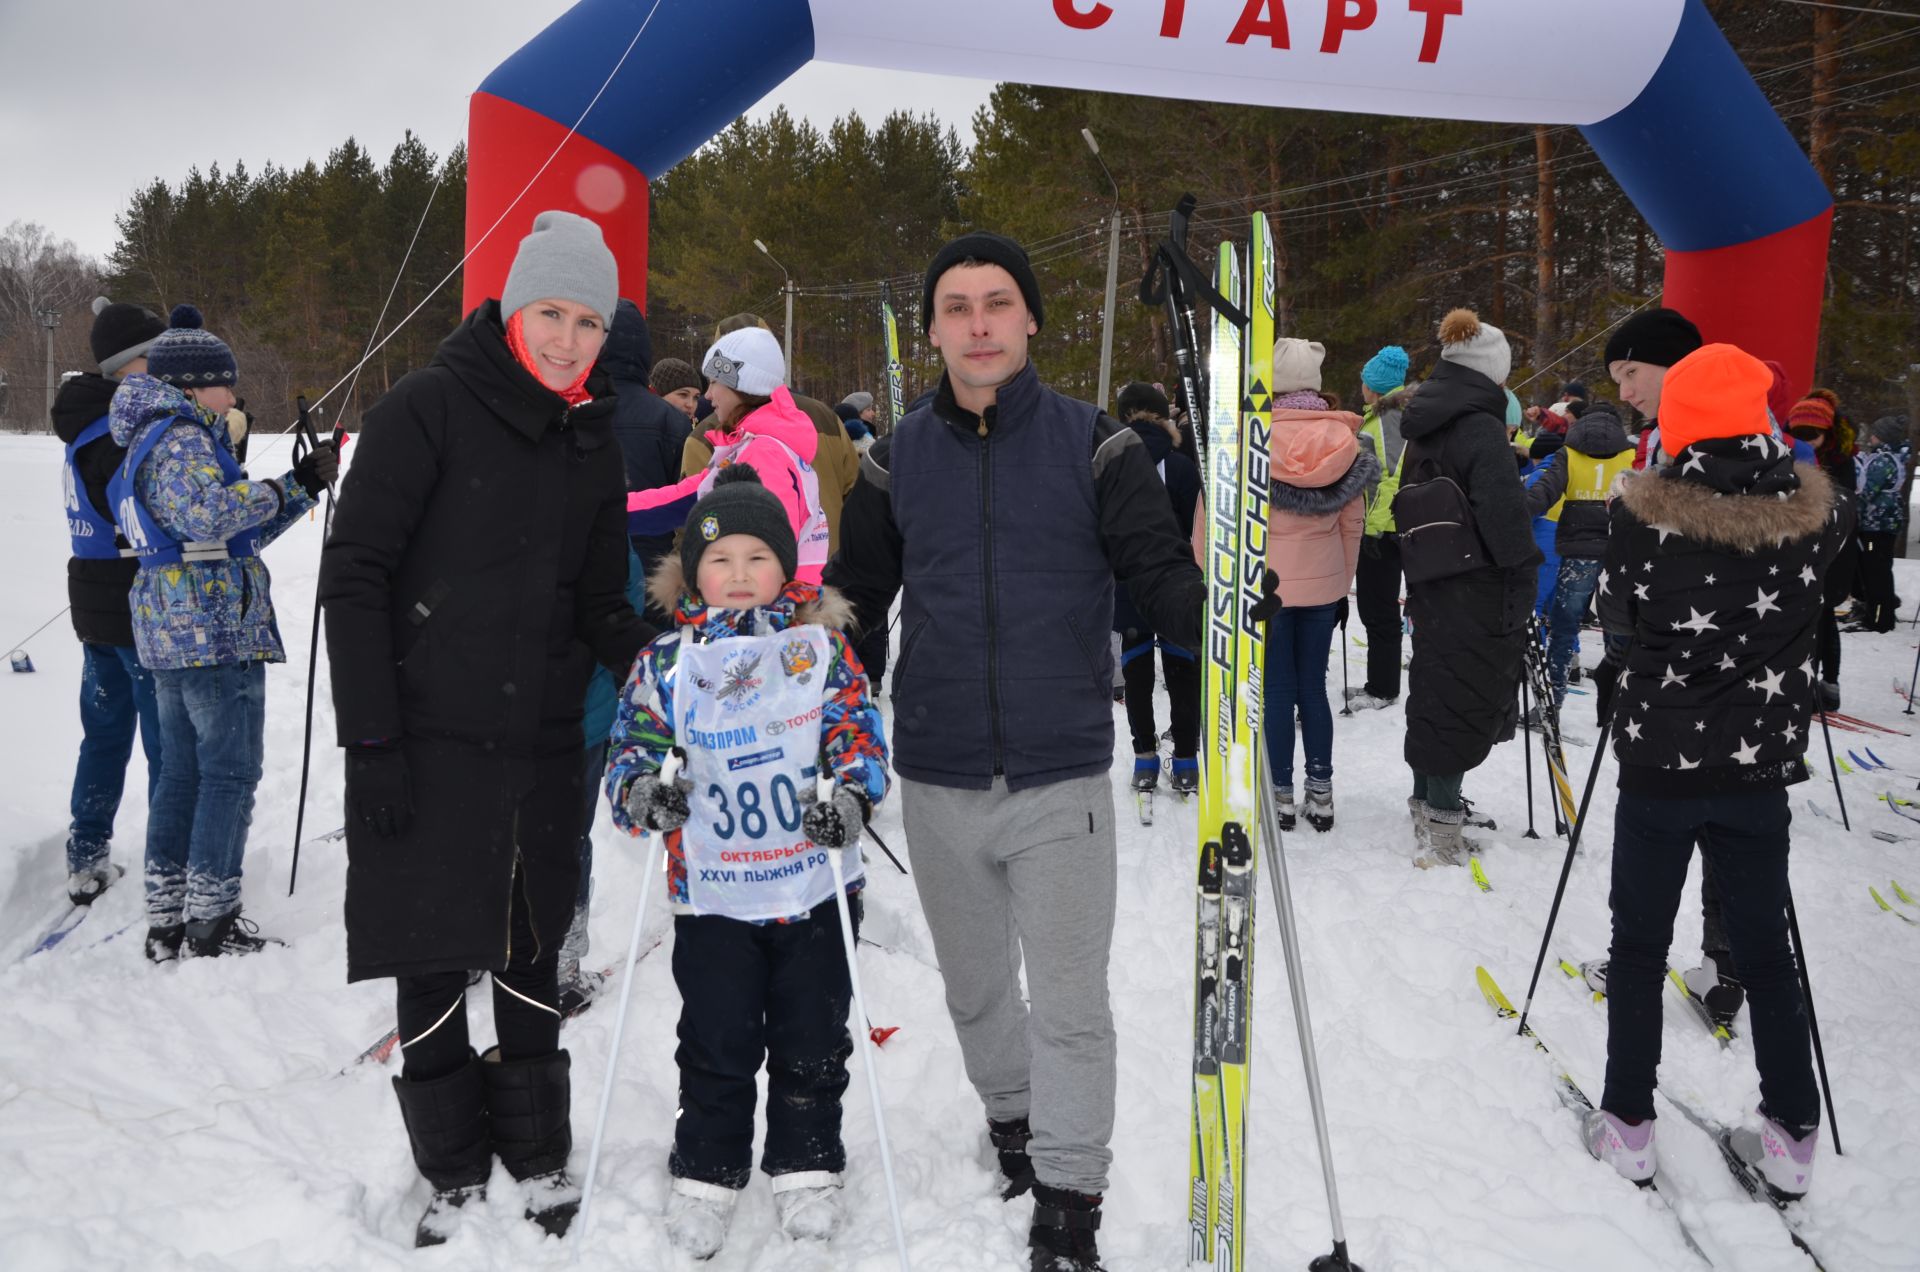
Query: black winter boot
x=229 y=934
x=1062 y=1237
x=447 y=1125
x=163 y=942
x=528 y=1103
x=1010 y=1139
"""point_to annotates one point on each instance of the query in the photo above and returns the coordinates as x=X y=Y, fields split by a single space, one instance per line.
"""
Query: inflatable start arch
x=1652 y=84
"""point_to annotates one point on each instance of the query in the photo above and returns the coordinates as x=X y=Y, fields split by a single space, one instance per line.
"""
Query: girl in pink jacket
x=758 y=424
x=1322 y=481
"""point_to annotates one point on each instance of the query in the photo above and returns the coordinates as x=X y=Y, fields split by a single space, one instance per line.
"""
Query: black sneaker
x=231 y=933
x=1010 y=1139
x=163 y=943
x=1062 y=1237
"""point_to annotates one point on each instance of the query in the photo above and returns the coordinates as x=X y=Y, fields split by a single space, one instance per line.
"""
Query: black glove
x=1604 y=678
x=379 y=792
x=657 y=805
x=838 y=822
x=1342 y=612
x=1268 y=605
x=317 y=468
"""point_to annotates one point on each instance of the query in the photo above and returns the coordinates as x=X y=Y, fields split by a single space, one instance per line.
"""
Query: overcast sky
x=98 y=97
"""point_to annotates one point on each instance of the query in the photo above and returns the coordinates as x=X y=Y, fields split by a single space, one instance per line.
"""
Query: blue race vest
x=90 y=530
x=152 y=543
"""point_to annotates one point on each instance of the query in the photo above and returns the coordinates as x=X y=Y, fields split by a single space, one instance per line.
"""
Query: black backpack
x=1438 y=537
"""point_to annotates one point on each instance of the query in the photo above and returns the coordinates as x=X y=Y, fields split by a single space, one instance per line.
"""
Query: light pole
x=50 y=318
x=786 y=346
x=1113 y=274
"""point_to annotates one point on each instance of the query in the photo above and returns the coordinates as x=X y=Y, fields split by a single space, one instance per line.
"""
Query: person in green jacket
x=1384 y=390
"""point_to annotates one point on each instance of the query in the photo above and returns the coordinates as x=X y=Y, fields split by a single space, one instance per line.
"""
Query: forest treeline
x=1382 y=225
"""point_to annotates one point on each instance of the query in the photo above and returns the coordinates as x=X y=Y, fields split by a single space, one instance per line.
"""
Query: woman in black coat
x=1469 y=625
x=475 y=571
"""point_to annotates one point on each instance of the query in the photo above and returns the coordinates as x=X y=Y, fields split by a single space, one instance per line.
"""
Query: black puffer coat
x=96 y=590
x=1470 y=630
x=1716 y=572
x=476 y=570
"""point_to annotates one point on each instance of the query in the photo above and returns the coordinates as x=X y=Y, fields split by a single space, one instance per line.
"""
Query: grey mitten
x=838 y=822
x=656 y=805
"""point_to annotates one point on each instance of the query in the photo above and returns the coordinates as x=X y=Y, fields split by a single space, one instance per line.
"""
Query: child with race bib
x=758 y=694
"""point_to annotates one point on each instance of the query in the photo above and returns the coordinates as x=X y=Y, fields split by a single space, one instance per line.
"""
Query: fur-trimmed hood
x=798 y=604
x=1361 y=477
x=1734 y=521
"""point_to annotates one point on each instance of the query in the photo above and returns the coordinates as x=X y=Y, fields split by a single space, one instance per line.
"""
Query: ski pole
x=1339 y=1260
x=1813 y=1022
x=824 y=791
x=1346 y=690
x=309 y=439
x=1526 y=750
x=654 y=865
x=1833 y=767
x=1914 y=682
x=883 y=848
x=1566 y=867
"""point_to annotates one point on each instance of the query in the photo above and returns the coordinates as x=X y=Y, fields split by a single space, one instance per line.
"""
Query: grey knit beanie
x=565 y=258
x=1890 y=430
x=1471 y=343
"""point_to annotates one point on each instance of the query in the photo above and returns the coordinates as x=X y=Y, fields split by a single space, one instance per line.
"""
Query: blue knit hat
x=189 y=356
x=1386 y=370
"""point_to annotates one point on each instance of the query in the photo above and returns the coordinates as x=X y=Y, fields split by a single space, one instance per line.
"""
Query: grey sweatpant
x=1005 y=875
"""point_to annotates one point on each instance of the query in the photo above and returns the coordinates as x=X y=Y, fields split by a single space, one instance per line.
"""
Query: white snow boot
x=1440 y=838
x=1718 y=992
x=1285 y=811
x=698 y=1216
x=808 y=1203
x=1361 y=700
x=1319 y=806
x=1630 y=1150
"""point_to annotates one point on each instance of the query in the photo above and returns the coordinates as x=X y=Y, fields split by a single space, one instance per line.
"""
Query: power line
x=1853 y=8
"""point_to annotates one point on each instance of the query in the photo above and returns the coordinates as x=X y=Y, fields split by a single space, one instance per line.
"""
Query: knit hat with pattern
x=189 y=356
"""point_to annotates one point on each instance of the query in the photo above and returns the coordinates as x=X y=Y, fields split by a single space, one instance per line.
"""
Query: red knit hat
x=1718 y=390
x=1811 y=412
x=1779 y=400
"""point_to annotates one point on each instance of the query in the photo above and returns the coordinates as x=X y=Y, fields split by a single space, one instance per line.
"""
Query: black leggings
x=432 y=1009
x=1183 y=696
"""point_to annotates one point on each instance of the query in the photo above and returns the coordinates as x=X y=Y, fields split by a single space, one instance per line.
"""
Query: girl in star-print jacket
x=1710 y=598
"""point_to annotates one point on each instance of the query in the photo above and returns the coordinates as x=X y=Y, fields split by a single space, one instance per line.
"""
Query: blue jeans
x=212 y=725
x=1299 y=640
x=1745 y=836
x=116 y=693
x=1570 y=596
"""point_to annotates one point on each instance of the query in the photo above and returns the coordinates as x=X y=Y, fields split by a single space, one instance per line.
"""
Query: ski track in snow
x=193 y=1116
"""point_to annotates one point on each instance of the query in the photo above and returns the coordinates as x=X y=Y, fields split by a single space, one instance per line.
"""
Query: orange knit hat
x=1718 y=390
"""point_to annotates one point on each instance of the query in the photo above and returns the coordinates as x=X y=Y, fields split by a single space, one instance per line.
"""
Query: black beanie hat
x=121 y=333
x=1658 y=337
x=991 y=249
x=737 y=504
x=1140 y=396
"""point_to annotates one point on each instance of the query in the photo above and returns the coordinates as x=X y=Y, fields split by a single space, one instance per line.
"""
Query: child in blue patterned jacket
x=202 y=624
x=760 y=694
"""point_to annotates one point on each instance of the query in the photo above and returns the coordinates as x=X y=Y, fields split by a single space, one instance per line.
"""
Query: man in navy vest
x=1005 y=510
x=115 y=691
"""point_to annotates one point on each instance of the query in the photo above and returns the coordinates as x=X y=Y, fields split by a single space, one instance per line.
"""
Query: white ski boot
x=1439 y=837
x=1630 y=1150
x=808 y=1203
x=698 y=1216
x=1784 y=1160
x=1719 y=993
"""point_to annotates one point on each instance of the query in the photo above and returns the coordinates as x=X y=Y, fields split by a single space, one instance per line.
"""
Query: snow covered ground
x=197 y=1116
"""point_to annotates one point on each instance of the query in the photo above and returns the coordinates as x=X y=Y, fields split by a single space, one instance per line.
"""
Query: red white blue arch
x=1652 y=84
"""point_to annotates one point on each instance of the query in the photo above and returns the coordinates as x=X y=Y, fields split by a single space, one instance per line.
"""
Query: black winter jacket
x=1715 y=571
x=96 y=590
x=476 y=569
x=1582 y=532
x=650 y=431
x=1006 y=531
x=1457 y=420
x=1183 y=493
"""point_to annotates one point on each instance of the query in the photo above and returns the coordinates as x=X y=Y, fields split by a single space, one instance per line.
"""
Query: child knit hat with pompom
x=189 y=356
